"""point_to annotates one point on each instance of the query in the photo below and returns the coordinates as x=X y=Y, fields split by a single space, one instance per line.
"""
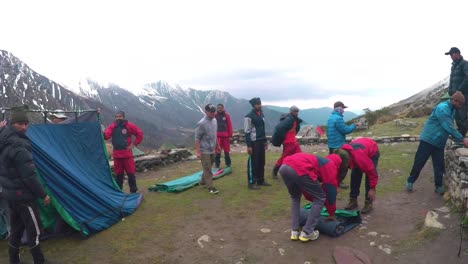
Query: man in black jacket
x=20 y=187
x=255 y=138
x=459 y=82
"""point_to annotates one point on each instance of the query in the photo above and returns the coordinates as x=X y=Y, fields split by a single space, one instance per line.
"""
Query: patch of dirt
x=236 y=237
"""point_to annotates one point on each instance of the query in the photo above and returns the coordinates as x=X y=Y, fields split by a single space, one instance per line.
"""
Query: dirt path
x=236 y=237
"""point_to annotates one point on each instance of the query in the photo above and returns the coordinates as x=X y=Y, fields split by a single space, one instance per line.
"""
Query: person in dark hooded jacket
x=459 y=82
x=121 y=131
x=20 y=187
x=285 y=134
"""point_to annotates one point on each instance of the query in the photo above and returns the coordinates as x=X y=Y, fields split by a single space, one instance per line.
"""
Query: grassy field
x=390 y=129
x=161 y=214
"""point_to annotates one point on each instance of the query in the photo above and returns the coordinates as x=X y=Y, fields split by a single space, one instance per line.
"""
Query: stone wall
x=239 y=138
x=160 y=159
x=456 y=175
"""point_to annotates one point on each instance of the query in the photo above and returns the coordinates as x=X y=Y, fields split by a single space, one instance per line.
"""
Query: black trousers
x=256 y=163
x=24 y=216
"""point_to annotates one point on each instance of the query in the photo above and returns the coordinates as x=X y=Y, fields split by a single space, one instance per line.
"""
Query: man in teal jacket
x=337 y=131
x=432 y=141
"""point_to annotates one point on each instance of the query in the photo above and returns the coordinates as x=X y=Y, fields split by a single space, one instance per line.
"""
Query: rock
x=372 y=244
x=385 y=236
x=447 y=216
x=204 y=238
x=431 y=220
x=443 y=209
x=347 y=255
x=372 y=233
x=363 y=228
x=281 y=251
x=274 y=243
x=386 y=249
x=265 y=230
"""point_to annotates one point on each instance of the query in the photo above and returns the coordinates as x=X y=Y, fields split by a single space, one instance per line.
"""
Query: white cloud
x=372 y=52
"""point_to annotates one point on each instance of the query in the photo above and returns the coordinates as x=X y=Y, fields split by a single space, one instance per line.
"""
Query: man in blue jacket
x=432 y=141
x=337 y=131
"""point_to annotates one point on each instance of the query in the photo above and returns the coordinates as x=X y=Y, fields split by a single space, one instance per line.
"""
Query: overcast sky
x=308 y=53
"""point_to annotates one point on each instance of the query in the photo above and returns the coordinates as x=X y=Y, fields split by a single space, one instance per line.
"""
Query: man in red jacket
x=364 y=158
x=224 y=135
x=121 y=132
x=317 y=179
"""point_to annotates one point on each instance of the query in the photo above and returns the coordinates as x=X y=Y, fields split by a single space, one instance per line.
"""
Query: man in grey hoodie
x=205 y=144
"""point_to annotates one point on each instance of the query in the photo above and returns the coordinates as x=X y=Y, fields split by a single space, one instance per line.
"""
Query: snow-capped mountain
x=164 y=112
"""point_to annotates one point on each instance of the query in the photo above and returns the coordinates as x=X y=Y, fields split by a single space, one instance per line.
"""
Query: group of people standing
x=316 y=178
x=319 y=178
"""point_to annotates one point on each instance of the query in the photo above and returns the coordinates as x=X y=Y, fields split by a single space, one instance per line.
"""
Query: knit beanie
x=19 y=114
x=458 y=96
x=255 y=101
x=122 y=113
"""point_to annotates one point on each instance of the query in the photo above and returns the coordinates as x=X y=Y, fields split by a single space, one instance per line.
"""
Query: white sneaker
x=304 y=237
x=295 y=235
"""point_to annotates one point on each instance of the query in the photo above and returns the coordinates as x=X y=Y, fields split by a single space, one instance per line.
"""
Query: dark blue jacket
x=285 y=124
x=459 y=76
x=254 y=127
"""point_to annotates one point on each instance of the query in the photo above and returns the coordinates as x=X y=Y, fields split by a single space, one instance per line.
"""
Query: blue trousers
x=422 y=155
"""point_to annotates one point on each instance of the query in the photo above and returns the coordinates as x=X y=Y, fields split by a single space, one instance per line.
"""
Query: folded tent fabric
x=345 y=221
x=184 y=183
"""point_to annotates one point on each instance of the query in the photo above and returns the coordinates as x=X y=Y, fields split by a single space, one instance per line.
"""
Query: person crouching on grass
x=317 y=179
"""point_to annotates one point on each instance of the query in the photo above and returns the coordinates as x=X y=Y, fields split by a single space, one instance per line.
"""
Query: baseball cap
x=338 y=104
x=210 y=108
x=452 y=50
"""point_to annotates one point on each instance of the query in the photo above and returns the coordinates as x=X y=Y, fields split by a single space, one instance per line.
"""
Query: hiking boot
x=294 y=235
x=254 y=186
x=274 y=174
x=440 y=190
x=409 y=186
x=264 y=184
x=352 y=205
x=343 y=186
x=304 y=237
x=367 y=207
x=213 y=190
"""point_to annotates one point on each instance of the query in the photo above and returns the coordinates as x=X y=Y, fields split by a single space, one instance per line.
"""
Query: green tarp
x=186 y=182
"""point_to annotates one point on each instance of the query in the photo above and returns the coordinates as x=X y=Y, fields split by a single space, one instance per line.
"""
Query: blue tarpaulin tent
x=73 y=166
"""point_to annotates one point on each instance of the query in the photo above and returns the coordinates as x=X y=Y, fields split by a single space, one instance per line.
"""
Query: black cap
x=255 y=101
x=452 y=50
x=338 y=104
x=19 y=114
x=210 y=108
